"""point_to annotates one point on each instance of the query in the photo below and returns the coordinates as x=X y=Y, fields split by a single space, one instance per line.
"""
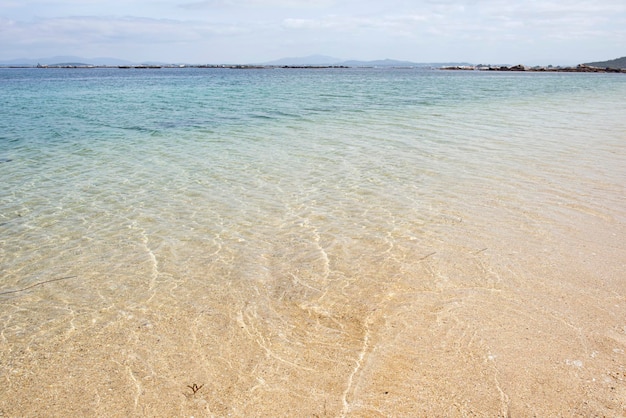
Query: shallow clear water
x=151 y=193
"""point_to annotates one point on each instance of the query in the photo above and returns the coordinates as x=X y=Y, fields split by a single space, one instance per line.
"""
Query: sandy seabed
x=461 y=254
x=465 y=320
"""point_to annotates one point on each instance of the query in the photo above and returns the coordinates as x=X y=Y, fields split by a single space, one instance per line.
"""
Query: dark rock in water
x=5 y=160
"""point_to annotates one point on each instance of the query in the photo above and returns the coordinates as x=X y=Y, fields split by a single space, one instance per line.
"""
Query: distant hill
x=616 y=63
x=309 y=60
x=379 y=63
x=396 y=63
x=326 y=60
x=61 y=60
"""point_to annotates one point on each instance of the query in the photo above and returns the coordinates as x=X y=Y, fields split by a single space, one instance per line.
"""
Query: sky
x=530 y=32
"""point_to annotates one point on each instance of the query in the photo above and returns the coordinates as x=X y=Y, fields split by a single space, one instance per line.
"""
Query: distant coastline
x=582 y=68
x=617 y=65
x=144 y=67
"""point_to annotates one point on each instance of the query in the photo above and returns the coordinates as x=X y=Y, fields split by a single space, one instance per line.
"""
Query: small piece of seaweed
x=195 y=387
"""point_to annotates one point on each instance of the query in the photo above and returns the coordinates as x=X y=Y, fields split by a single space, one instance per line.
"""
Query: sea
x=311 y=242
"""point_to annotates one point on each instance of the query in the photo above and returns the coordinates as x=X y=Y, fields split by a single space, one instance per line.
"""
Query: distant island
x=617 y=65
x=581 y=68
x=305 y=62
x=315 y=62
x=311 y=61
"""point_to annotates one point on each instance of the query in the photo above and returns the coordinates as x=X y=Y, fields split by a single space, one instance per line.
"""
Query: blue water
x=179 y=155
x=255 y=193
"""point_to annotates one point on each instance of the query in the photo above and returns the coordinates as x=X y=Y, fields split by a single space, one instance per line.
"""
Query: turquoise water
x=217 y=156
x=150 y=193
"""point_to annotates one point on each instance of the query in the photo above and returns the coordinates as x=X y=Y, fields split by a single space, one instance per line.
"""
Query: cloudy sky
x=563 y=32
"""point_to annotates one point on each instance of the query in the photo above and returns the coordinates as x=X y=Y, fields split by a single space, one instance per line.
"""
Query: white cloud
x=237 y=4
x=90 y=28
x=248 y=29
x=107 y=35
x=306 y=24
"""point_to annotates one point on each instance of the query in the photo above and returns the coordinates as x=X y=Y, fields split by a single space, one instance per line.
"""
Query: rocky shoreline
x=578 y=69
x=582 y=68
